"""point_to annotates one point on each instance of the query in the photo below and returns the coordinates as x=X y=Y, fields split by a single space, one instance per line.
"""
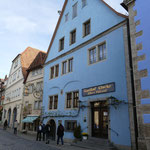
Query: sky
x=25 y=23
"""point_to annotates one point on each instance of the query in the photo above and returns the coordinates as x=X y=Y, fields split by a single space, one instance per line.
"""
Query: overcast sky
x=26 y=23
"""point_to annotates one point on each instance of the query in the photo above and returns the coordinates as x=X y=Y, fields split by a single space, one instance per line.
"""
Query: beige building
x=33 y=92
x=12 y=107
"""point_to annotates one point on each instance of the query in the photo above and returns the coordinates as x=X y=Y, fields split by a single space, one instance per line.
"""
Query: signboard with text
x=100 y=89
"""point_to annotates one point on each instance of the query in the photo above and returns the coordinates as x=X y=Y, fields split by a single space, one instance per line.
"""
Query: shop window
x=70 y=125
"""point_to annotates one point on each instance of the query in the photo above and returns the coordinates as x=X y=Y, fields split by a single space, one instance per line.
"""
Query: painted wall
x=84 y=75
x=142 y=15
x=100 y=15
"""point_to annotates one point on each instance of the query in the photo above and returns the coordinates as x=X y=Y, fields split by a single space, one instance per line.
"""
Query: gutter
x=133 y=85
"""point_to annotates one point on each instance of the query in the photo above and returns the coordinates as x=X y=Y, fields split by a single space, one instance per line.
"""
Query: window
x=73 y=37
x=84 y=3
x=56 y=70
x=67 y=66
x=70 y=125
x=53 y=102
x=74 y=10
x=70 y=65
x=66 y=17
x=30 y=88
x=92 y=55
x=72 y=99
x=38 y=105
x=87 y=28
x=52 y=73
x=98 y=53
x=69 y=99
x=39 y=86
x=75 y=99
x=61 y=44
x=102 y=52
x=64 y=67
x=16 y=64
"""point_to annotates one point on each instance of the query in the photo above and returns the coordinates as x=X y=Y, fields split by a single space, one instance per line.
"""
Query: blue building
x=86 y=72
x=139 y=23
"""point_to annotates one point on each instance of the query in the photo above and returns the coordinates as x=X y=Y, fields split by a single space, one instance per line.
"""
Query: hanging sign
x=100 y=89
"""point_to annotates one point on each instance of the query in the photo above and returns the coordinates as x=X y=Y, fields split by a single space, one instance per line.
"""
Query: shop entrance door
x=100 y=119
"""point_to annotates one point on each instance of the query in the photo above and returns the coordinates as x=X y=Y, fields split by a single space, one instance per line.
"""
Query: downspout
x=133 y=85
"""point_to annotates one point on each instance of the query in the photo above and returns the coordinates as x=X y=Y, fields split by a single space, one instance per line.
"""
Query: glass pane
x=96 y=119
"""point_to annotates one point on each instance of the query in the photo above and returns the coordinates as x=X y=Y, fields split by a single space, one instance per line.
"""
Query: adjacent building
x=139 y=23
x=12 y=107
x=3 y=83
x=87 y=76
x=33 y=94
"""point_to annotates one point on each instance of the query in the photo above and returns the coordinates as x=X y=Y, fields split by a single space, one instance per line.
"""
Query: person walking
x=60 y=133
x=5 y=124
x=43 y=131
x=15 y=126
x=39 y=131
x=48 y=130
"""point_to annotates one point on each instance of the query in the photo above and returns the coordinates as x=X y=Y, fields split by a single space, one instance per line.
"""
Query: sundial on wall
x=37 y=94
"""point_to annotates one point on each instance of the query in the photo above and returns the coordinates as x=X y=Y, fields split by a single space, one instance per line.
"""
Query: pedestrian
x=60 y=133
x=39 y=131
x=5 y=124
x=15 y=126
x=43 y=131
x=48 y=130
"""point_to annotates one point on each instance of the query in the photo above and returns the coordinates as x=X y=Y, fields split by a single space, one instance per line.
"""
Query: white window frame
x=97 y=53
x=54 y=71
x=72 y=99
x=53 y=102
x=75 y=10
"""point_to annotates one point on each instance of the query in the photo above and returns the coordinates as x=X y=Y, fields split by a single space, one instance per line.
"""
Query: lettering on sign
x=100 y=89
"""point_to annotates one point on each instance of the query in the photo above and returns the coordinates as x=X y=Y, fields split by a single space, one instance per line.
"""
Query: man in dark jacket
x=39 y=131
x=43 y=131
x=60 y=133
x=47 y=130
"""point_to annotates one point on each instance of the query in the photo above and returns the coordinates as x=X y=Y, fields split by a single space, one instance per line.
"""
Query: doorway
x=100 y=119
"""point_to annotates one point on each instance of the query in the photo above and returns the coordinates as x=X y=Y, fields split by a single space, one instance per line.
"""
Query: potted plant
x=84 y=136
x=77 y=133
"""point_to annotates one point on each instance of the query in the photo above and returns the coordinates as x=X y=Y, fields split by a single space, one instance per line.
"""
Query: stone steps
x=95 y=144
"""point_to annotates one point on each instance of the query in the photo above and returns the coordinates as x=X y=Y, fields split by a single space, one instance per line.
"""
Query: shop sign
x=100 y=89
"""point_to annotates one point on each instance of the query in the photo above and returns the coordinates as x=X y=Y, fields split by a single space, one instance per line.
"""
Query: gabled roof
x=37 y=63
x=62 y=12
x=27 y=57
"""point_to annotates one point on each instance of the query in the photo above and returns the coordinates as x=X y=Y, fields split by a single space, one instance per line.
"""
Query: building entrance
x=100 y=119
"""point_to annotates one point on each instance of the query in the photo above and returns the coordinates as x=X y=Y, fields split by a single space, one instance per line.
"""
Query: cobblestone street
x=9 y=141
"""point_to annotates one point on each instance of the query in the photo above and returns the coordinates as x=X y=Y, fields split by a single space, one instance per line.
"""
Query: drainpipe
x=133 y=86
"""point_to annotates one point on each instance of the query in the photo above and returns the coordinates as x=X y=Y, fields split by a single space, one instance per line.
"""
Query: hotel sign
x=100 y=89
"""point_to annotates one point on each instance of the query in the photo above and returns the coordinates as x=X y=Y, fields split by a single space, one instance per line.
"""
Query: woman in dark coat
x=60 y=133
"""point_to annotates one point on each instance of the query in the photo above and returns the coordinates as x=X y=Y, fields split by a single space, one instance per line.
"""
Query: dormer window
x=74 y=10
x=84 y=3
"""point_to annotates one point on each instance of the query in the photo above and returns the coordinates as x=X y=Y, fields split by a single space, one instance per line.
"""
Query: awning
x=29 y=119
